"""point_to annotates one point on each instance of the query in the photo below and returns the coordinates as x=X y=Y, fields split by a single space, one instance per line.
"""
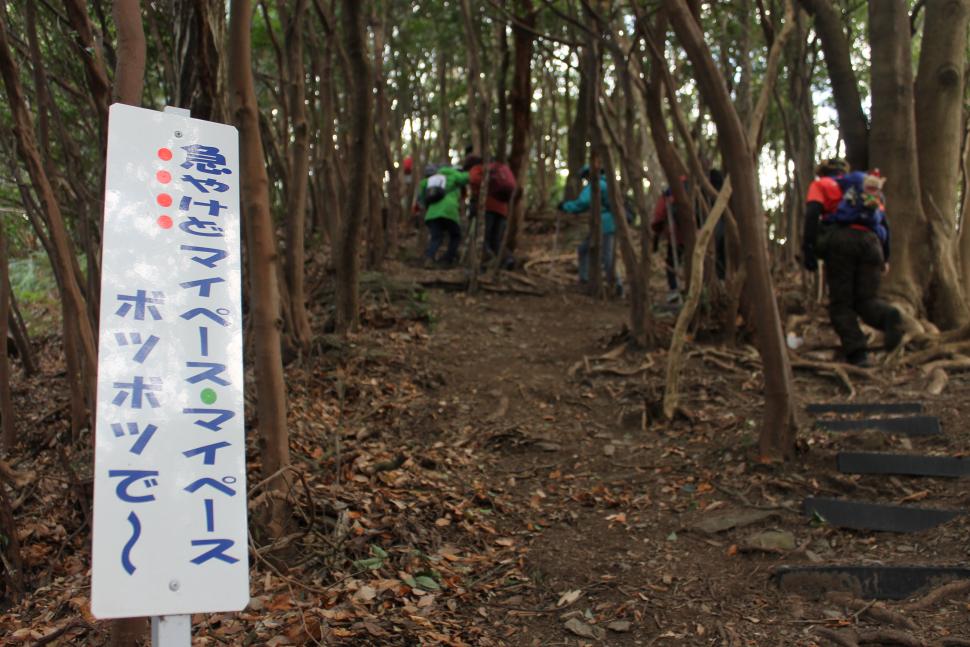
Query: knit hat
x=430 y=169
x=833 y=166
x=873 y=181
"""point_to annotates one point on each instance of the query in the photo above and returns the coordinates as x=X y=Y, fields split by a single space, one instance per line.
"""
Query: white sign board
x=170 y=532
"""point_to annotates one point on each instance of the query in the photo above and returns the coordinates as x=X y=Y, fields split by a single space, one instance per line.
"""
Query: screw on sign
x=170 y=531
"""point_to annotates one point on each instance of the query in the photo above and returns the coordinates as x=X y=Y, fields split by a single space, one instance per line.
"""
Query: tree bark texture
x=200 y=67
x=520 y=100
x=90 y=52
x=130 y=71
x=361 y=125
x=262 y=256
x=777 y=438
x=298 y=170
x=939 y=135
x=9 y=432
x=893 y=145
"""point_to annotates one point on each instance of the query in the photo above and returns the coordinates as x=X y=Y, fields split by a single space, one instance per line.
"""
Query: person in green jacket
x=439 y=194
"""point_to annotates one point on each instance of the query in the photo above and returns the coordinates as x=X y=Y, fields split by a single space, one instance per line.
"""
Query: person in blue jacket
x=582 y=205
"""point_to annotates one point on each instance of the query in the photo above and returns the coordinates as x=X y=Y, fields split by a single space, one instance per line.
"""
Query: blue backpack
x=852 y=210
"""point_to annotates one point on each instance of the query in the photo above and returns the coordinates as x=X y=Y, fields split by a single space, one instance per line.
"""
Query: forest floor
x=493 y=470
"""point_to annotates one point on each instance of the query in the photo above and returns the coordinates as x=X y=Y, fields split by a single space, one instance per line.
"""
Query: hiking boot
x=427 y=263
x=894 y=331
x=859 y=358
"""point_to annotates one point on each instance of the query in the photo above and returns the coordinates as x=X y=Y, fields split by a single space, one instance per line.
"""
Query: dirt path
x=602 y=500
x=567 y=450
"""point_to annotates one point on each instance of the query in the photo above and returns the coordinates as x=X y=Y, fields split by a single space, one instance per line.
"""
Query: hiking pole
x=673 y=246
x=555 y=236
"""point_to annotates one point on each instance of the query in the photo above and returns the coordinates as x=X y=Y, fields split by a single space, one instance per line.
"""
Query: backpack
x=853 y=210
x=501 y=182
x=435 y=189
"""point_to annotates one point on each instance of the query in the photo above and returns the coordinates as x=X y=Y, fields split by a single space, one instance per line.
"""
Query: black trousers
x=438 y=228
x=853 y=268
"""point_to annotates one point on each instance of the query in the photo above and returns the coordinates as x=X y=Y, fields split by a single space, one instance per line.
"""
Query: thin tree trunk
x=386 y=128
x=12 y=563
x=523 y=37
x=845 y=86
x=263 y=260
x=359 y=157
x=90 y=52
x=298 y=167
x=130 y=73
x=444 y=109
x=777 y=437
x=9 y=431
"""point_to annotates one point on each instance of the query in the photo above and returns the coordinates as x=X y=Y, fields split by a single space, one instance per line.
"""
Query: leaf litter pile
x=493 y=470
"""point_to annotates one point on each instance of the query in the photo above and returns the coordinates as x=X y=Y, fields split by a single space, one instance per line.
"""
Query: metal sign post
x=172 y=631
x=170 y=529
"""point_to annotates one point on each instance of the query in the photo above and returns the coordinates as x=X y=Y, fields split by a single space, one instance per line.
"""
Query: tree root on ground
x=851 y=638
x=874 y=610
x=938 y=594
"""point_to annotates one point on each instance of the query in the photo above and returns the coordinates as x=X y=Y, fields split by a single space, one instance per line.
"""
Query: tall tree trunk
x=523 y=37
x=444 y=109
x=388 y=133
x=777 y=437
x=91 y=53
x=129 y=83
x=939 y=135
x=263 y=259
x=130 y=73
x=802 y=125
x=479 y=107
x=501 y=89
x=359 y=161
x=298 y=167
x=577 y=138
x=845 y=85
x=893 y=143
x=200 y=65
x=10 y=550
x=9 y=432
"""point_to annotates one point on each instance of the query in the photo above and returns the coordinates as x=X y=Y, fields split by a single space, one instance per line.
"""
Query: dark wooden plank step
x=906 y=464
x=865 y=581
x=860 y=515
x=912 y=426
x=864 y=407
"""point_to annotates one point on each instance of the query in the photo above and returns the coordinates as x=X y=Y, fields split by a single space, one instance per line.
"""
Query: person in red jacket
x=855 y=254
x=824 y=195
x=501 y=188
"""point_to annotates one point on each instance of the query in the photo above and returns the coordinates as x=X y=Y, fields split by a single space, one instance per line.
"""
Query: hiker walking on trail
x=439 y=194
x=501 y=188
x=582 y=205
x=845 y=225
x=663 y=224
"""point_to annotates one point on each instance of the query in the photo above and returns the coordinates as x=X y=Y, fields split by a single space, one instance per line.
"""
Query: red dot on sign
x=165 y=222
x=165 y=154
x=164 y=177
x=164 y=199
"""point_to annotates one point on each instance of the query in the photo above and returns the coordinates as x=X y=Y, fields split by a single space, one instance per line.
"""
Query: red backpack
x=501 y=182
